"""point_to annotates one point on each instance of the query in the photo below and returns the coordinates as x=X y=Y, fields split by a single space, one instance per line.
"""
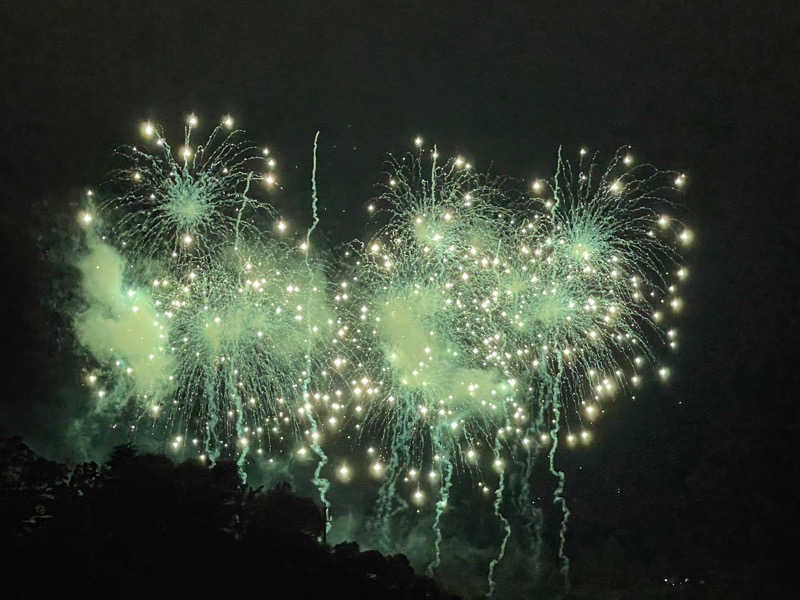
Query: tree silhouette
x=141 y=524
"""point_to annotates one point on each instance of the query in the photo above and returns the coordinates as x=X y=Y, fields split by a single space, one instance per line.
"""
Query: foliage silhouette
x=141 y=524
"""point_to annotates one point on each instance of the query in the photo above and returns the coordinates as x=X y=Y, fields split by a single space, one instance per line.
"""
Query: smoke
x=120 y=325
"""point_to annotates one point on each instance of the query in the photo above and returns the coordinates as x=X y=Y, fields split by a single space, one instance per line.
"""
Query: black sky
x=708 y=88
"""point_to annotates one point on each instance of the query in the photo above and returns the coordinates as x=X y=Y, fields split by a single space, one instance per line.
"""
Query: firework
x=416 y=293
x=481 y=325
x=191 y=204
x=194 y=316
x=487 y=320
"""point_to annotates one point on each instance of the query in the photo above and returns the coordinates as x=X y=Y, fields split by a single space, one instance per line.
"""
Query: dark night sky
x=704 y=87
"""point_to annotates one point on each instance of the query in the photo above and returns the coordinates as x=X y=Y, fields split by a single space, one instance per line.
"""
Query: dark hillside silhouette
x=142 y=525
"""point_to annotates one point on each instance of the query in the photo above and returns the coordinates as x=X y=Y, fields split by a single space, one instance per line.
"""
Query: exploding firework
x=588 y=282
x=193 y=204
x=418 y=288
x=195 y=317
x=487 y=321
x=591 y=265
x=479 y=326
x=424 y=337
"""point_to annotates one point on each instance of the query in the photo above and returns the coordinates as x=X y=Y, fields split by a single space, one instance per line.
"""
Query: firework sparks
x=479 y=324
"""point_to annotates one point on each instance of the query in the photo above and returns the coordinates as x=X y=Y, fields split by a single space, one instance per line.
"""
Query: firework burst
x=194 y=316
x=478 y=327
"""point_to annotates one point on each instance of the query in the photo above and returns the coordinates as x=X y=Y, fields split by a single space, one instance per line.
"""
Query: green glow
x=121 y=323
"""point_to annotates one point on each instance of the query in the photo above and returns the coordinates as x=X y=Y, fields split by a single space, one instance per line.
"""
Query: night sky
x=696 y=477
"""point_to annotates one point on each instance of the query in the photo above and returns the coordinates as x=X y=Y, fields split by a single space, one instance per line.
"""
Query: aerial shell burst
x=590 y=275
x=417 y=292
x=488 y=320
x=193 y=315
x=194 y=203
x=589 y=278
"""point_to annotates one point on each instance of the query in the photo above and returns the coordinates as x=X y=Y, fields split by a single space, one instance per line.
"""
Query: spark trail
x=558 y=493
x=441 y=504
x=322 y=484
x=389 y=502
x=532 y=514
x=498 y=495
